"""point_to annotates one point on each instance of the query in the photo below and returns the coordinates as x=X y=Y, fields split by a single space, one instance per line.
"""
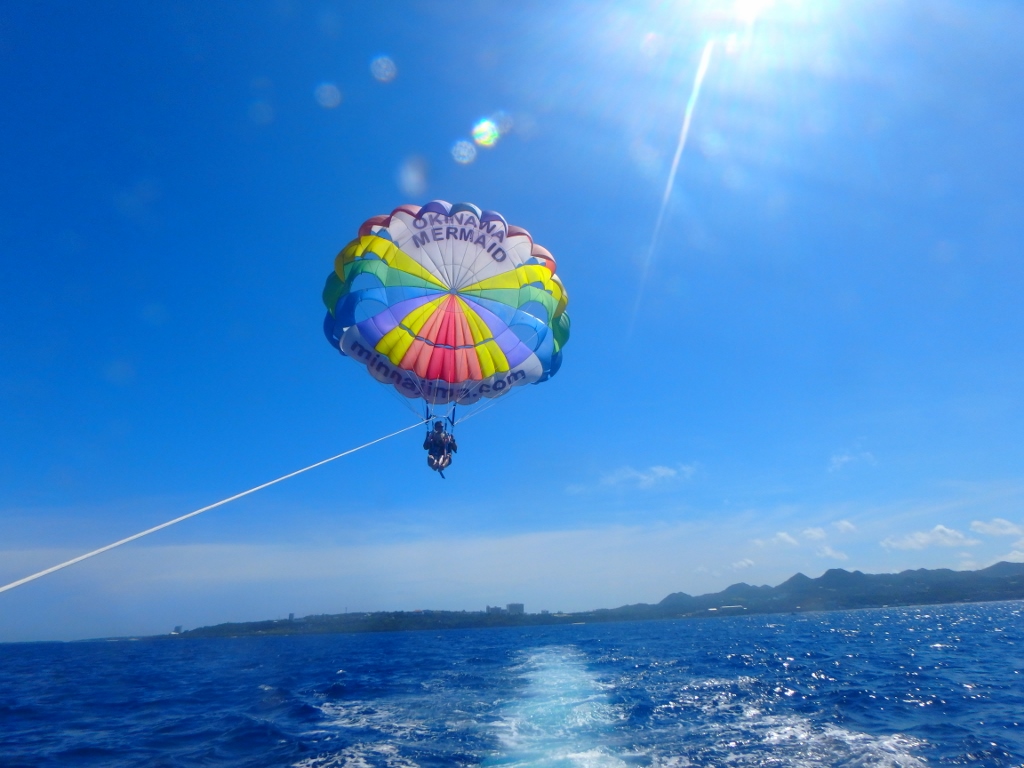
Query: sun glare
x=747 y=11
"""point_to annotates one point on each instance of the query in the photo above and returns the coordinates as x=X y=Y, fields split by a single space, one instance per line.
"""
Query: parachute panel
x=447 y=303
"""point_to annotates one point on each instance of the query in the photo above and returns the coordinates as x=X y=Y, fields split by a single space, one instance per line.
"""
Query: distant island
x=835 y=590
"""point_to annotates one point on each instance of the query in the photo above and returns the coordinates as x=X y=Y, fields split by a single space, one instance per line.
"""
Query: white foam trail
x=684 y=132
x=560 y=717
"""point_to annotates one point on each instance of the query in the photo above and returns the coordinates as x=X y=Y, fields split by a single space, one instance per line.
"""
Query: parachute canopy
x=447 y=303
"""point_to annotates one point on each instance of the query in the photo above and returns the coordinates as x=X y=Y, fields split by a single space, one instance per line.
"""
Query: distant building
x=177 y=630
x=291 y=617
x=495 y=609
x=515 y=609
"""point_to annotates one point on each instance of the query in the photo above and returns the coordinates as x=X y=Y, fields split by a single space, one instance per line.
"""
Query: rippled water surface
x=894 y=687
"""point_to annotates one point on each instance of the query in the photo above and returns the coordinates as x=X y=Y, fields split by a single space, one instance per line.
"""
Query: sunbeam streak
x=684 y=132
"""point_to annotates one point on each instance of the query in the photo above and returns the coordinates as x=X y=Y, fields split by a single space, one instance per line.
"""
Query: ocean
x=936 y=685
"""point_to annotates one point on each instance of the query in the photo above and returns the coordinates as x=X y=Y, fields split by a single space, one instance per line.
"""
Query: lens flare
x=652 y=44
x=684 y=132
x=486 y=133
x=383 y=69
x=412 y=177
x=261 y=113
x=464 y=152
x=504 y=122
x=327 y=95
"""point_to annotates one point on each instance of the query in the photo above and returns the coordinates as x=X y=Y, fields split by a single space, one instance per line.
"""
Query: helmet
x=438 y=425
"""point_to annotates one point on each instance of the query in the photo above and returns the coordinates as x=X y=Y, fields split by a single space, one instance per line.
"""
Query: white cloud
x=814 y=534
x=643 y=478
x=844 y=526
x=939 y=536
x=835 y=554
x=997 y=527
x=647 y=478
x=746 y=562
x=779 y=538
x=840 y=460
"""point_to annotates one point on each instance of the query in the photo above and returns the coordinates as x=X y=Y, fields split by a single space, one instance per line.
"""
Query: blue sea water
x=892 y=687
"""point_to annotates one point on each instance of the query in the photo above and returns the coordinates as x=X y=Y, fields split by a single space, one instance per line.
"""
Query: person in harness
x=439 y=446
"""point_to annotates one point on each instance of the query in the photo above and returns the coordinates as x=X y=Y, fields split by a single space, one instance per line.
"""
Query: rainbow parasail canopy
x=447 y=303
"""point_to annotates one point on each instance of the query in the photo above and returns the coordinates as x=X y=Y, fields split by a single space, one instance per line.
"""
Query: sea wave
x=887 y=688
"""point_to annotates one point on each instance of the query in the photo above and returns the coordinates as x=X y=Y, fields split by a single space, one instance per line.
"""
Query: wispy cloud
x=844 y=526
x=813 y=534
x=779 y=538
x=746 y=562
x=997 y=526
x=939 y=536
x=641 y=478
x=644 y=479
x=840 y=460
x=827 y=551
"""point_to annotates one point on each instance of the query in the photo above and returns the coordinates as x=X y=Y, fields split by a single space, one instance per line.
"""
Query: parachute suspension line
x=423 y=396
x=494 y=401
x=221 y=503
x=406 y=403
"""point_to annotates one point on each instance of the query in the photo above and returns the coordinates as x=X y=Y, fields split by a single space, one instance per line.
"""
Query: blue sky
x=824 y=371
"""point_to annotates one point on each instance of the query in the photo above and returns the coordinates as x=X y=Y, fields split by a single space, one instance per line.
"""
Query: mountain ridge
x=838 y=589
x=835 y=589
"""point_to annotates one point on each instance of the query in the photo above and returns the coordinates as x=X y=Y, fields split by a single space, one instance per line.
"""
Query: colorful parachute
x=447 y=303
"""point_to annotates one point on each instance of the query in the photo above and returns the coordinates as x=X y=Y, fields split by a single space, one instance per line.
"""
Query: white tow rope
x=221 y=503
